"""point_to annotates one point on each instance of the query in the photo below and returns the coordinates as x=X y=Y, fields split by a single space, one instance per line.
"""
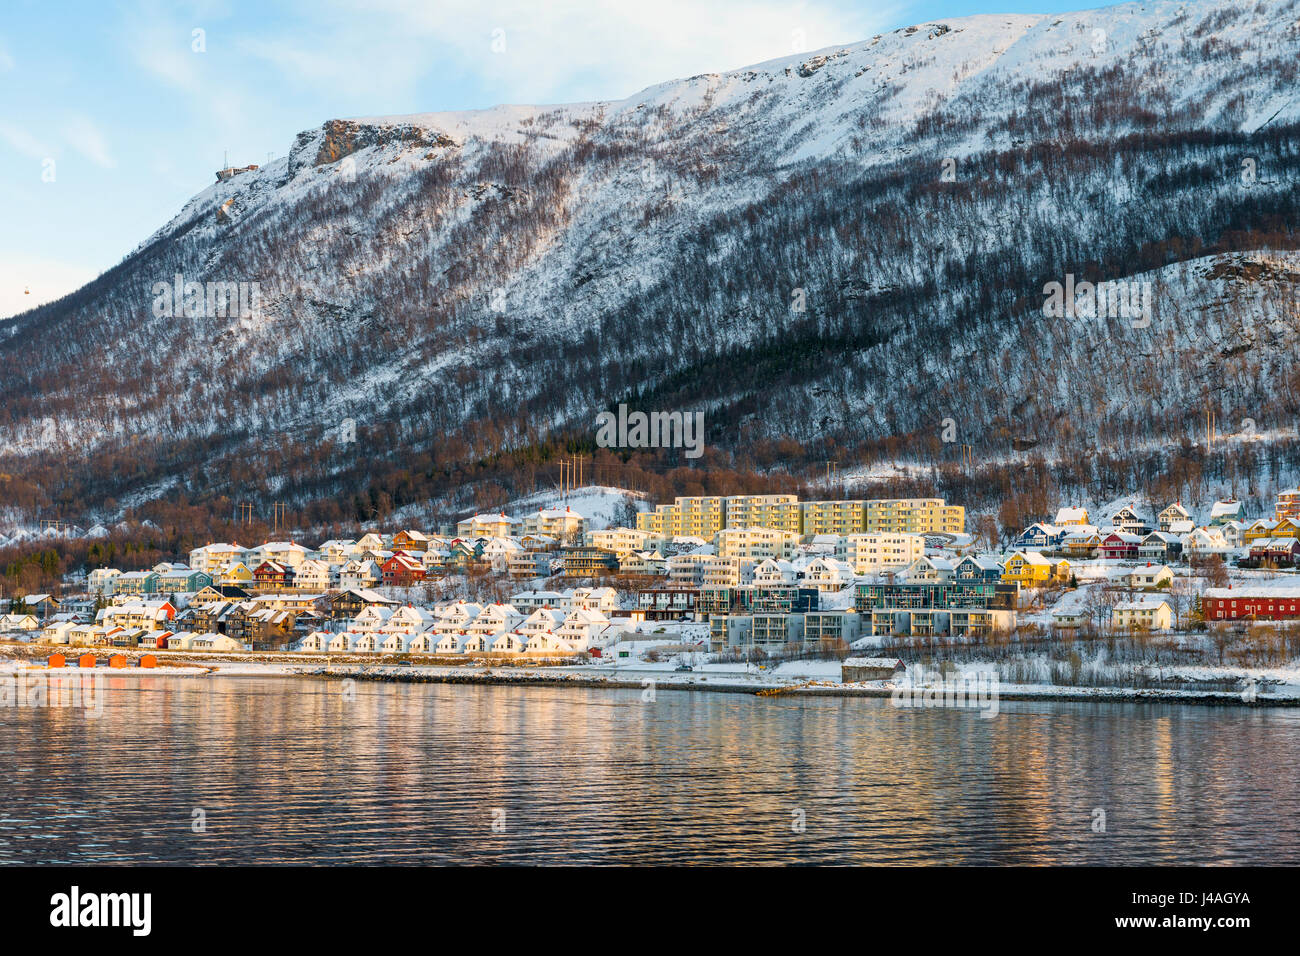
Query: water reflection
x=288 y=770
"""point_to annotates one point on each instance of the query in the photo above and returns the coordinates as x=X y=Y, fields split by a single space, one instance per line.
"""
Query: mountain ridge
x=838 y=250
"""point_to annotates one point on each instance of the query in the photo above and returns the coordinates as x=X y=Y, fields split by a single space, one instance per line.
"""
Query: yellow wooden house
x=1029 y=568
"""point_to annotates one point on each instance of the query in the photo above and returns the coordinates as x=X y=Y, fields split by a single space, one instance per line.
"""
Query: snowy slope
x=455 y=284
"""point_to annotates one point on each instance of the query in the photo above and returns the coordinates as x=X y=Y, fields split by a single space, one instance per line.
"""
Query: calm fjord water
x=288 y=770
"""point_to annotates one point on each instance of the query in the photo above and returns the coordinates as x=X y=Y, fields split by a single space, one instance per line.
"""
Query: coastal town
x=709 y=580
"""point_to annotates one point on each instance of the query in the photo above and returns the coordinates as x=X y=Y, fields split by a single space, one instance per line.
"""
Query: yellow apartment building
x=777 y=512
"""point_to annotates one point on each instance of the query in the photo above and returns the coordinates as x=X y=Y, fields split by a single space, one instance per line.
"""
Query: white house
x=360 y=574
x=1152 y=614
x=423 y=643
x=102 y=581
x=312 y=576
x=1150 y=576
x=540 y=622
x=594 y=599
x=927 y=568
x=371 y=618
x=450 y=643
x=507 y=644
x=582 y=628
x=316 y=642
x=397 y=643
x=549 y=644
x=773 y=572
x=828 y=574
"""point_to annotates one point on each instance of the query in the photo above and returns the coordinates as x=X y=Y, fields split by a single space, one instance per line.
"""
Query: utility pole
x=279 y=514
x=829 y=463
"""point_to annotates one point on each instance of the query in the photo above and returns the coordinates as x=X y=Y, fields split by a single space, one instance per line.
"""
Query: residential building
x=832 y=627
x=563 y=524
x=488 y=526
x=836 y=517
x=941 y=622
x=1148 y=614
x=102 y=581
x=667 y=604
x=913 y=516
x=1131 y=520
x=1287 y=504
x=701 y=517
x=585 y=562
x=1224 y=511
x=870 y=553
x=135 y=583
x=755 y=541
x=1268 y=601
x=1070 y=517
x=1174 y=514
x=622 y=541
x=774 y=512
x=1029 y=568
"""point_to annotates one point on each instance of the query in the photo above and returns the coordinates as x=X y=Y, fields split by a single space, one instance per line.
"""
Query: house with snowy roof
x=1028 y=568
x=1131 y=520
x=1160 y=546
x=1148 y=614
x=563 y=524
x=928 y=568
x=488 y=526
x=1173 y=513
x=1040 y=536
x=1228 y=509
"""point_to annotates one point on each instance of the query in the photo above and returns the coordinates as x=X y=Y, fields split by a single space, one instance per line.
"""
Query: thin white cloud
x=6 y=61
x=86 y=138
x=21 y=141
x=162 y=47
x=564 y=49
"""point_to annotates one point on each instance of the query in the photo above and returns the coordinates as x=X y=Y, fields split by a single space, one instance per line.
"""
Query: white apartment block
x=869 y=553
x=488 y=526
x=211 y=558
x=619 y=540
x=755 y=542
x=729 y=572
x=563 y=524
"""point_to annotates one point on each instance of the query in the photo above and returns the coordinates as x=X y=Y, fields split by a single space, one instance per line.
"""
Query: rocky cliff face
x=337 y=139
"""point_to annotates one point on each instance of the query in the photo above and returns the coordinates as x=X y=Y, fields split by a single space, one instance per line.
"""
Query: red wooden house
x=1121 y=545
x=1262 y=602
x=1282 y=552
x=402 y=570
x=272 y=576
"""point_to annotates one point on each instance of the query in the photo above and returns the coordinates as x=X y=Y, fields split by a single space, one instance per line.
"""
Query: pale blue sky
x=128 y=110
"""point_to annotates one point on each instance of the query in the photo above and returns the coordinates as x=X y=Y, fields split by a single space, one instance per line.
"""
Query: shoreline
x=504 y=673
x=884 y=691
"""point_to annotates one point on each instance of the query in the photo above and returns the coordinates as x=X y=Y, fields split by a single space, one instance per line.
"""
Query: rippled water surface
x=289 y=770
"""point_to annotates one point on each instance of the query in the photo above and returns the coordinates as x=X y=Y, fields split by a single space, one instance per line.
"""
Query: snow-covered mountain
x=847 y=251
